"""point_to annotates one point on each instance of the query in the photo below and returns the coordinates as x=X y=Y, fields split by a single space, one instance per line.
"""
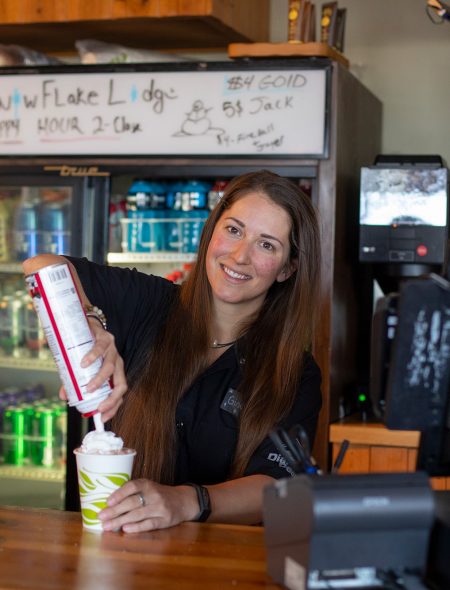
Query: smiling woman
x=198 y=412
x=249 y=250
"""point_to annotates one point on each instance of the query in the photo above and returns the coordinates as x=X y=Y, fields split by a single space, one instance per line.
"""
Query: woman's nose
x=241 y=252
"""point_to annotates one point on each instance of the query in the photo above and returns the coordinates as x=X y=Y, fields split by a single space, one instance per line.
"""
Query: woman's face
x=249 y=251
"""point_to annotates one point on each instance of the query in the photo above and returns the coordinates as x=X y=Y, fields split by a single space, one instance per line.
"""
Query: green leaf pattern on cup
x=95 y=488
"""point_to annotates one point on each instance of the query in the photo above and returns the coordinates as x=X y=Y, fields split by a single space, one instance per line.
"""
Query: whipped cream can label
x=58 y=305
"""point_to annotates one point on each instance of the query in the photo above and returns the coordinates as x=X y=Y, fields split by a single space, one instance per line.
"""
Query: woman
x=213 y=365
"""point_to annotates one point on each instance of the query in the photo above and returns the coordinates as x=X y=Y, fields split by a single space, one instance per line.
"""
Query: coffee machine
x=403 y=235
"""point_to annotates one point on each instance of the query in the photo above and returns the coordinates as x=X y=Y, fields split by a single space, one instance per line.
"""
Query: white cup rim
x=124 y=451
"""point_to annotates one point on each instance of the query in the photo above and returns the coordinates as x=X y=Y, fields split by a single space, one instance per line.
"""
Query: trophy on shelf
x=302 y=23
x=332 y=25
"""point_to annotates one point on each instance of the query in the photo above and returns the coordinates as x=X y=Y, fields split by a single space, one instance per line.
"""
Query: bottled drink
x=55 y=227
x=13 y=436
x=48 y=448
x=26 y=235
x=4 y=229
x=18 y=311
x=34 y=337
x=11 y=327
x=28 y=411
x=189 y=203
x=60 y=411
x=4 y=403
x=146 y=203
x=5 y=324
x=173 y=228
x=36 y=446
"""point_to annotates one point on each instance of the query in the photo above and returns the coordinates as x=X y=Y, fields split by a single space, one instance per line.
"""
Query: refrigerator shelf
x=27 y=363
x=32 y=473
x=11 y=268
x=149 y=257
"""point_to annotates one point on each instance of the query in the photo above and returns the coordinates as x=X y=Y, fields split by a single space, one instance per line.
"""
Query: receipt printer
x=323 y=528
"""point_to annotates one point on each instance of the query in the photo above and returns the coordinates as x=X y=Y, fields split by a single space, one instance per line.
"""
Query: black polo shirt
x=207 y=415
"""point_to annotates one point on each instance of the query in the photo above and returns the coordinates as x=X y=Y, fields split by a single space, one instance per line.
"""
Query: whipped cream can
x=58 y=305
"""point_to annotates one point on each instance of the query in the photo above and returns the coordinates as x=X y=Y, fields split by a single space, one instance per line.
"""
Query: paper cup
x=98 y=477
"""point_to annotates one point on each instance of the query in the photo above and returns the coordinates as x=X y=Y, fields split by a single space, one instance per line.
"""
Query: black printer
x=349 y=531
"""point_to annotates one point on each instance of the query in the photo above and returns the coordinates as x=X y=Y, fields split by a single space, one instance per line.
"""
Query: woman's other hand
x=144 y=505
x=112 y=368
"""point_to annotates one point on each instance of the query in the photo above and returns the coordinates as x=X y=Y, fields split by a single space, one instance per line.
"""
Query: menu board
x=248 y=112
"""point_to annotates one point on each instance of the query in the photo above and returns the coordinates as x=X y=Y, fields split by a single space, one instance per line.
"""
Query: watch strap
x=204 y=502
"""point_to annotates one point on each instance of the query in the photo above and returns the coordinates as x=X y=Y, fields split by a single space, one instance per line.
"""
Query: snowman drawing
x=197 y=122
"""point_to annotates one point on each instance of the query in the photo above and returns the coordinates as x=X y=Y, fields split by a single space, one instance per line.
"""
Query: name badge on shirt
x=231 y=402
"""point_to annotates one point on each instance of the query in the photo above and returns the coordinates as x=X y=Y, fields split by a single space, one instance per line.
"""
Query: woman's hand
x=112 y=368
x=143 y=505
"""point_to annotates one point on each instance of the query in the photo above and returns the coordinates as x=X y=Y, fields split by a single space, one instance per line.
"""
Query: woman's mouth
x=235 y=275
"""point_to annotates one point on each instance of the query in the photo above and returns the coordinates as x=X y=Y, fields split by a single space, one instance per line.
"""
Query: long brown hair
x=273 y=343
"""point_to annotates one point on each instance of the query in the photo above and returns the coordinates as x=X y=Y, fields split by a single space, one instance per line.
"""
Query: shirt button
x=179 y=425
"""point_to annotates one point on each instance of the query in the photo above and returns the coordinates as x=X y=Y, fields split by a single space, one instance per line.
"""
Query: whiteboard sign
x=260 y=112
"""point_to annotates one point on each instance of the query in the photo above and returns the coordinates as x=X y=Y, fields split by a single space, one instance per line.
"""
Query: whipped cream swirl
x=101 y=442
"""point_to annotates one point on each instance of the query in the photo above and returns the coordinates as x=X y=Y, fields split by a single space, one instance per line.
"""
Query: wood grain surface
x=48 y=549
x=236 y=50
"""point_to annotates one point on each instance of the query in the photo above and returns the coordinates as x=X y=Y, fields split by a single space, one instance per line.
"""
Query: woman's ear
x=288 y=269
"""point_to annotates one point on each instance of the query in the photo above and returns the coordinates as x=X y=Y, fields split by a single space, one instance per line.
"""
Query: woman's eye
x=232 y=229
x=267 y=246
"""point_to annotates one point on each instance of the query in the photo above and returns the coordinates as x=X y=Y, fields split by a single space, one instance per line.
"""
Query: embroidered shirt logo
x=277 y=458
x=231 y=402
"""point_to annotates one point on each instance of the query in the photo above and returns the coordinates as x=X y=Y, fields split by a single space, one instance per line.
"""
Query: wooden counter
x=48 y=549
x=372 y=433
x=375 y=448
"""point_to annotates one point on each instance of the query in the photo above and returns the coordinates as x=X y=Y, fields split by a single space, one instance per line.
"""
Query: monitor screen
x=398 y=196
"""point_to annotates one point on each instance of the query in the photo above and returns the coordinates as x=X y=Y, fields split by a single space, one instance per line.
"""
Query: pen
x=340 y=456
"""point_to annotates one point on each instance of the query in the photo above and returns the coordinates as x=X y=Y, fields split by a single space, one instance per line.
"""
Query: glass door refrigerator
x=144 y=151
x=39 y=213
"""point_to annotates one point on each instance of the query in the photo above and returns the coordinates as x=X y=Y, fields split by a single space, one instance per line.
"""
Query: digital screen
x=403 y=197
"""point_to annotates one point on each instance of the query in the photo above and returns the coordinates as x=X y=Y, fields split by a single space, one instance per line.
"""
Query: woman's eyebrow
x=269 y=237
x=235 y=220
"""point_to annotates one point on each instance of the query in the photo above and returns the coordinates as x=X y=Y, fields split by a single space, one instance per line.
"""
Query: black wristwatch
x=204 y=502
